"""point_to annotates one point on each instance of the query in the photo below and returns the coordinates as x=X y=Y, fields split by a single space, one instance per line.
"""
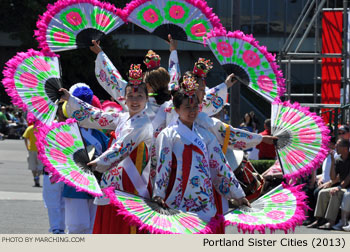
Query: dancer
x=127 y=159
x=190 y=162
x=80 y=210
x=53 y=194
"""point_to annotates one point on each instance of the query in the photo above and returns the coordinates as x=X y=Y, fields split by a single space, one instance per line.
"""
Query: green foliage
x=262 y=165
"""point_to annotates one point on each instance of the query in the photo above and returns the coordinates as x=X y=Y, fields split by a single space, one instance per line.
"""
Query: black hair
x=180 y=96
x=344 y=143
x=142 y=86
x=333 y=140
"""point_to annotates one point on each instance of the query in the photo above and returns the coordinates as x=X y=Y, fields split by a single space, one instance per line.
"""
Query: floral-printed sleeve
x=164 y=158
x=214 y=99
x=91 y=117
x=129 y=139
x=110 y=79
x=174 y=70
x=238 y=139
x=223 y=178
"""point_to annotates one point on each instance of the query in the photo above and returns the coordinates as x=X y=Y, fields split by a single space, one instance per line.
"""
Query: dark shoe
x=308 y=222
x=36 y=182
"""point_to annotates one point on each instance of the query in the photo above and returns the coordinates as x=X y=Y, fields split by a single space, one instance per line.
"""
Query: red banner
x=332 y=42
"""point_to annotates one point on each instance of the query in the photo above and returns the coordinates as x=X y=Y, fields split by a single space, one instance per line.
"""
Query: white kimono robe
x=186 y=175
x=134 y=135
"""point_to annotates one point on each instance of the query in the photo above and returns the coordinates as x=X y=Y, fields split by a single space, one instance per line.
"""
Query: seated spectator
x=345 y=211
x=322 y=181
x=329 y=199
x=266 y=151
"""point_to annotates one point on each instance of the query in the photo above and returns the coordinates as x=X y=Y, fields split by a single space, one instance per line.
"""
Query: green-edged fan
x=303 y=138
x=150 y=216
x=280 y=209
x=71 y=24
x=62 y=151
x=187 y=20
x=252 y=64
x=32 y=80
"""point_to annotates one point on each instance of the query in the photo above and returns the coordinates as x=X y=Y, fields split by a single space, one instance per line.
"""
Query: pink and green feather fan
x=187 y=20
x=149 y=216
x=62 y=151
x=302 y=138
x=72 y=24
x=280 y=209
x=32 y=80
x=254 y=66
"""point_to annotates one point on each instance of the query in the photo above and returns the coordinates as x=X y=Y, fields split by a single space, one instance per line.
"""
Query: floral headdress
x=135 y=75
x=152 y=60
x=202 y=67
x=189 y=86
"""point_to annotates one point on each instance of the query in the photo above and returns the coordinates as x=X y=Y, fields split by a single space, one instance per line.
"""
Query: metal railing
x=290 y=52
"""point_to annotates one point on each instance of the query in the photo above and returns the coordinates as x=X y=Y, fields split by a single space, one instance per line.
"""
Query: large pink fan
x=283 y=208
x=150 y=216
x=302 y=138
x=62 y=150
x=32 y=80
x=251 y=63
x=71 y=24
x=187 y=20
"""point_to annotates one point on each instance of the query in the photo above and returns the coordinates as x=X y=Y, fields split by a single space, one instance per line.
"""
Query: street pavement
x=22 y=209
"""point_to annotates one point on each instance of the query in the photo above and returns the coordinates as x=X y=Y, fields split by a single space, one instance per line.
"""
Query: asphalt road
x=22 y=209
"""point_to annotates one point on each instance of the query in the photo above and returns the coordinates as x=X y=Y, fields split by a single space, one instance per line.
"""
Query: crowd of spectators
x=12 y=122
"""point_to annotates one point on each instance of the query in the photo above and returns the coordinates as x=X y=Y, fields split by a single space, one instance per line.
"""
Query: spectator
x=34 y=164
x=3 y=121
x=329 y=199
x=21 y=123
x=9 y=114
x=247 y=123
x=255 y=120
x=345 y=208
x=266 y=151
x=343 y=132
